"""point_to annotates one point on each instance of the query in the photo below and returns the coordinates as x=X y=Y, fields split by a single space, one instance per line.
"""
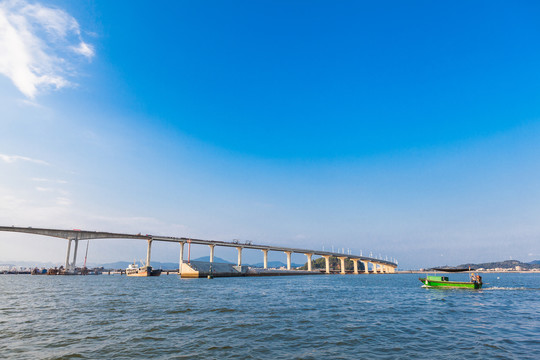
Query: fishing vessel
x=136 y=270
x=434 y=281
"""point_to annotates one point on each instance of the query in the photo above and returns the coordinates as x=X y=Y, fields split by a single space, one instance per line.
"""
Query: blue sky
x=409 y=130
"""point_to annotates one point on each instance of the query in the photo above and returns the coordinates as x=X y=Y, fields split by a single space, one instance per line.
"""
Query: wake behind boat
x=136 y=270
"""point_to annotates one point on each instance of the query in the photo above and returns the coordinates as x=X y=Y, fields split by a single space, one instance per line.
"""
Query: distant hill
x=334 y=263
x=507 y=264
x=160 y=265
x=216 y=259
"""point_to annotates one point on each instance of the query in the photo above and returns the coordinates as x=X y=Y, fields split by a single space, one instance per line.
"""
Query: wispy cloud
x=49 y=180
x=50 y=190
x=14 y=158
x=37 y=44
x=62 y=201
x=43 y=189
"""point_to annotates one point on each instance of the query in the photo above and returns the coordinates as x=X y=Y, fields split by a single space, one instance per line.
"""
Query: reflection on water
x=337 y=317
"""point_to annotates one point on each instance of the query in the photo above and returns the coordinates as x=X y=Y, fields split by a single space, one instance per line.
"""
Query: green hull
x=450 y=284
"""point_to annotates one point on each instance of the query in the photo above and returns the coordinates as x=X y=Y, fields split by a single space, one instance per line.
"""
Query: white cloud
x=42 y=189
x=50 y=190
x=37 y=44
x=62 y=201
x=84 y=49
x=49 y=180
x=13 y=158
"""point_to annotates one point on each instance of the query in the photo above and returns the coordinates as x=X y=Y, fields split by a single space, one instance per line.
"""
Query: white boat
x=136 y=270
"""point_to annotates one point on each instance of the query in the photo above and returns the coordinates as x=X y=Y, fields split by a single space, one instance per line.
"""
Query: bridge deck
x=77 y=234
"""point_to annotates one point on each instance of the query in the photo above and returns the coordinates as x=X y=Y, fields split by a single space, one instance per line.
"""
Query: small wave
x=226 y=347
x=223 y=310
x=178 y=311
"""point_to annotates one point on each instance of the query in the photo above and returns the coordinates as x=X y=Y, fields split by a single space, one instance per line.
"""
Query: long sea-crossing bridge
x=75 y=235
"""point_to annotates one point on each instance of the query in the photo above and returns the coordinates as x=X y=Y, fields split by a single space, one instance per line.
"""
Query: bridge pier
x=355 y=263
x=239 y=256
x=265 y=261
x=366 y=269
x=181 y=260
x=212 y=253
x=327 y=262
x=309 y=261
x=288 y=259
x=148 y=252
x=342 y=260
x=73 y=264
x=68 y=253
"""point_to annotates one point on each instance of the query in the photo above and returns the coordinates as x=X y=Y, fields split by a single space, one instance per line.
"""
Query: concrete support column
x=181 y=260
x=309 y=261
x=68 y=253
x=239 y=256
x=212 y=253
x=375 y=270
x=342 y=259
x=73 y=264
x=355 y=263
x=288 y=259
x=265 y=261
x=148 y=252
x=327 y=261
x=366 y=269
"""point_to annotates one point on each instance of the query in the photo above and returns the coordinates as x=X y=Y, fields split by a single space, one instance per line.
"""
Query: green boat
x=443 y=282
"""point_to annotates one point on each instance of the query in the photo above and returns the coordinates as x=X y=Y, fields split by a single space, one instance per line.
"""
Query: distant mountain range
x=170 y=266
x=125 y=264
x=507 y=264
x=271 y=264
x=216 y=259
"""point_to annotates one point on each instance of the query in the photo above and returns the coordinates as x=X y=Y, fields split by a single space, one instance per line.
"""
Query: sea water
x=291 y=317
